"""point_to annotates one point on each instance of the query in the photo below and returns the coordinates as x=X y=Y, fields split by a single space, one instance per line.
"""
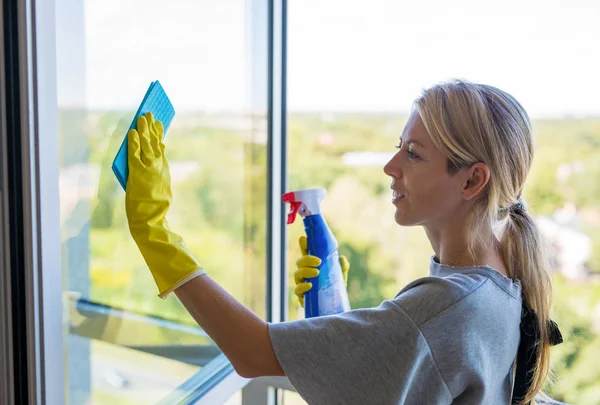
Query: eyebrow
x=409 y=141
x=415 y=142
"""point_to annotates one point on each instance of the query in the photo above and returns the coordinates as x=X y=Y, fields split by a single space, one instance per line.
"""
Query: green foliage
x=576 y=309
x=220 y=210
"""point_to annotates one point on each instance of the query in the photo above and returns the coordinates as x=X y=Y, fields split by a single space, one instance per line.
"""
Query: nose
x=392 y=168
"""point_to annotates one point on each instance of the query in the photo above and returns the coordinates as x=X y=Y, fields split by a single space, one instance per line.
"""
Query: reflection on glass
x=354 y=70
x=124 y=344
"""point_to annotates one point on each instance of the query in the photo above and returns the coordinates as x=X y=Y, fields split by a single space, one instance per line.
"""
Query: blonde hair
x=473 y=123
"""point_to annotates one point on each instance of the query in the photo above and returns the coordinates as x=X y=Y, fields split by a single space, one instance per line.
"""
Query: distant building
x=570 y=248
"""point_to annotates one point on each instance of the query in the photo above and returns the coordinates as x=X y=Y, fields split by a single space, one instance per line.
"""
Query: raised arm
x=240 y=334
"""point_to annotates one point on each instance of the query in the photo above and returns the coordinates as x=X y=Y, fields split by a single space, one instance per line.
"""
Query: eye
x=412 y=155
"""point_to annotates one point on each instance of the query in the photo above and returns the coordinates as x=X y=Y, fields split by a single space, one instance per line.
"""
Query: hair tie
x=518 y=206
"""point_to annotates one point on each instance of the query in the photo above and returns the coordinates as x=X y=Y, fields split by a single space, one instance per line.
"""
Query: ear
x=477 y=176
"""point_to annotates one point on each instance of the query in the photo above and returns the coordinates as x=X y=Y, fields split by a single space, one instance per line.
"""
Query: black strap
x=528 y=350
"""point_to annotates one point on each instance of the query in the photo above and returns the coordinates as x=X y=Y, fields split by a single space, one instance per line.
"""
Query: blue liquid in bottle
x=328 y=293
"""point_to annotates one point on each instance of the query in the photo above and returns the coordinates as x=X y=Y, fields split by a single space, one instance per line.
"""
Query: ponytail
x=523 y=252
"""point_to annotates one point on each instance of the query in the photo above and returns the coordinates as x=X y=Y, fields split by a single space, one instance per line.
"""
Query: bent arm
x=240 y=333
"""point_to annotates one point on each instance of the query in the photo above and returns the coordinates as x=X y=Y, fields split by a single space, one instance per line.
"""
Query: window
x=354 y=69
x=210 y=57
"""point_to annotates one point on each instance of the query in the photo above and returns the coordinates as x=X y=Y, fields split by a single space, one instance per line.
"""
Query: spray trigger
x=294 y=206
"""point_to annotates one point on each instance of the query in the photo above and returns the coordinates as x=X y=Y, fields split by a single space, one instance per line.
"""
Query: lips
x=397 y=194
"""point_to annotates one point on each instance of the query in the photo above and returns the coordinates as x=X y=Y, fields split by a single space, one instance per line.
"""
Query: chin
x=403 y=220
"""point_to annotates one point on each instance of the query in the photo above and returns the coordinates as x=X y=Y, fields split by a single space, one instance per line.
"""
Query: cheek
x=432 y=196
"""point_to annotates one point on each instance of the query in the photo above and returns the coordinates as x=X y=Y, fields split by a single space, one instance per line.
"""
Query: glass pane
x=124 y=376
x=354 y=70
x=210 y=57
x=292 y=398
x=236 y=399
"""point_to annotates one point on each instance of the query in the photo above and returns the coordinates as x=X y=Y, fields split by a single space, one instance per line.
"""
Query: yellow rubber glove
x=307 y=269
x=147 y=200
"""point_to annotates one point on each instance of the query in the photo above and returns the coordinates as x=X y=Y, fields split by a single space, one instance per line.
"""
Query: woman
x=451 y=337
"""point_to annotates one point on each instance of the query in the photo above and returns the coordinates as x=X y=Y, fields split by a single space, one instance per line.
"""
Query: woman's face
x=424 y=192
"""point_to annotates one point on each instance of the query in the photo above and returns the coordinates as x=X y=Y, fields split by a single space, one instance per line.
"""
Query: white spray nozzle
x=305 y=202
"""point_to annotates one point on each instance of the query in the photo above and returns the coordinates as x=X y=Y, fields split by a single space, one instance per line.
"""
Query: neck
x=451 y=247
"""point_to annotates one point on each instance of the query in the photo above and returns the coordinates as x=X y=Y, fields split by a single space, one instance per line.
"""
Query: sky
x=343 y=55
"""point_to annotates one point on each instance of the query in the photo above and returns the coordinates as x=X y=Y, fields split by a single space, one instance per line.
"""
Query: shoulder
x=427 y=297
x=363 y=356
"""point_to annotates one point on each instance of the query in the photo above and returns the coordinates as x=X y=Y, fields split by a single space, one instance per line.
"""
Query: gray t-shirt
x=450 y=338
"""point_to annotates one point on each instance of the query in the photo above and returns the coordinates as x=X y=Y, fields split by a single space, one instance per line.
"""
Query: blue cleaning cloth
x=156 y=102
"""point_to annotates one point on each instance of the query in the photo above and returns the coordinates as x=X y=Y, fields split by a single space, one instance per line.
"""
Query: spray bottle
x=328 y=293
